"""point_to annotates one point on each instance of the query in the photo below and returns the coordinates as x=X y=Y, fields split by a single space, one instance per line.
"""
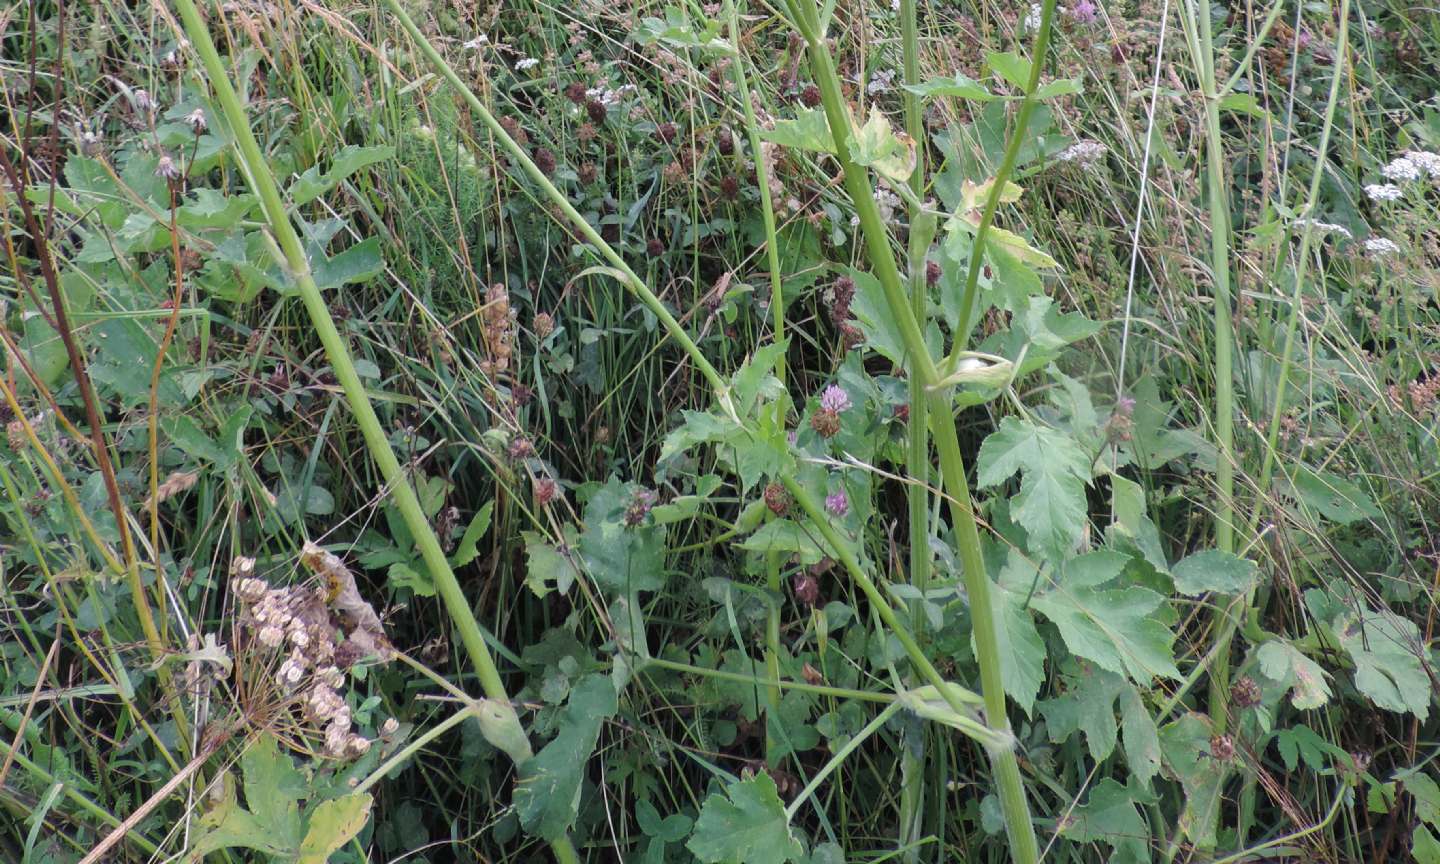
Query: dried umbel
x=302 y=635
x=495 y=321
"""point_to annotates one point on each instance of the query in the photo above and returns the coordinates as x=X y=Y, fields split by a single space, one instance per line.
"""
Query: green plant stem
x=414 y=746
x=740 y=678
x=1021 y=832
x=1002 y=176
x=1272 y=438
x=777 y=310
x=839 y=758
x=262 y=182
x=1198 y=35
x=917 y=461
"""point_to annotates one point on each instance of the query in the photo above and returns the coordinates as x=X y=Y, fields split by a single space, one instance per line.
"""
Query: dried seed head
x=545 y=161
x=810 y=96
x=1222 y=748
x=729 y=187
x=655 y=247
x=197 y=122
x=586 y=173
x=248 y=589
x=575 y=92
x=290 y=673
x=1245 y=693
x=596 y=111
x=806 y=588
x=143 y=102
x=777 y=499
x=543 y=325
x=521 y=448
x=271 y=636
x=932 y=272
x=640 y=506
x=389 y=727
x=826 y=423
x=513 y=129
x=166 y=168
x=724 y=141
x=666 y=132
x=546 y=490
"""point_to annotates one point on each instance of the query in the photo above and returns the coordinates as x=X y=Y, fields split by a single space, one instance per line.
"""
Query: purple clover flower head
x=837 y=504
x=1084 y=12
x=1125 y=406
x=835 y=399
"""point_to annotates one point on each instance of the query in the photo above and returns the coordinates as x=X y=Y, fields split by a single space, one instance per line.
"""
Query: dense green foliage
x=1002 y=432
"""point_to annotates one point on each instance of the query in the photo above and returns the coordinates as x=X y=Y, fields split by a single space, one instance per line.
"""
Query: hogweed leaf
x=547 y=795
x=746 y=825
x=1283 y=663
x=1054 y=470
x=1110 y=816
x=809 y=130
x=1114 y=628
x=1185 y=744
x=331 y=825
x=1386 y=650
x=1213 y=570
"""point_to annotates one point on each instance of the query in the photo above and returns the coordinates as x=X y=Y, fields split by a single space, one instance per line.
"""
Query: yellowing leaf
x=973 y=196
x=332 y=824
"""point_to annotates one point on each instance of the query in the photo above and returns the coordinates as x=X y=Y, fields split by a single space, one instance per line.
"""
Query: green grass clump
x=807 y=432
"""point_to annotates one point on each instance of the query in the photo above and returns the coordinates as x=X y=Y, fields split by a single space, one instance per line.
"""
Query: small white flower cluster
x=609 y=98
x=1379 y=247
x=1324 y=227
x=1412 y=165
x=881 y=82
x=299 y=617
x=1425 y=161
x=1086 y=154
x=1383 y=192
x=1032 y=21
x=525 y=63
x=477 y=43
x=1401 y=170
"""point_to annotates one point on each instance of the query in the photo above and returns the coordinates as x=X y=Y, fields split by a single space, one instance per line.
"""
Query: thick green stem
x=1007 y=167
x=1198 y=31
x=777 y=309
x=1023 y=846
x=917 y=457
x=1272 y=439
x=262 y=183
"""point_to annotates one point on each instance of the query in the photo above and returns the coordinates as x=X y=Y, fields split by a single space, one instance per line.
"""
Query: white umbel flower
x=1383 y=192
x=1380 y=247
x=1084 y=153
x=526 y=63
x=1401 y=170
x=1324 y=227
x=1425 y=161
